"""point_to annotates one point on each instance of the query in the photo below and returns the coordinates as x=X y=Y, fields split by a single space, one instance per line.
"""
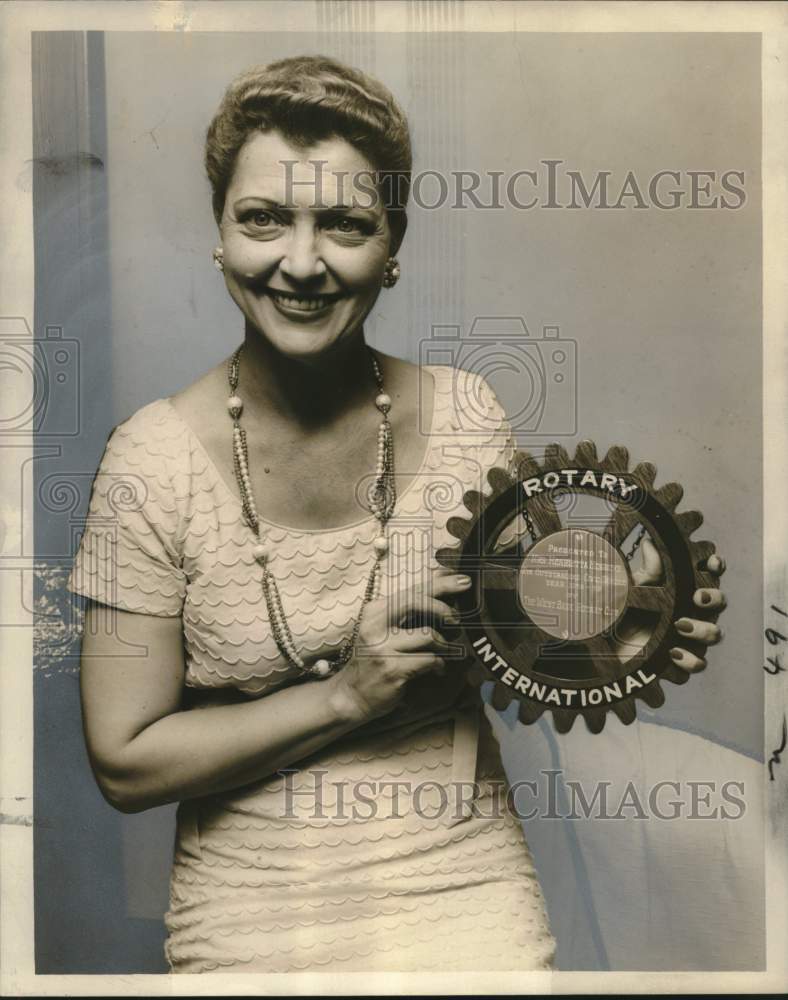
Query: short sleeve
x=128 y=555
x=502 y=437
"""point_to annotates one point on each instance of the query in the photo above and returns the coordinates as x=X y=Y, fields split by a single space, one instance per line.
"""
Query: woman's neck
x=311 y=392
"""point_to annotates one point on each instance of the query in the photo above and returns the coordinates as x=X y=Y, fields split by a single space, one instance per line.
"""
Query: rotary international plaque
x=557 y=617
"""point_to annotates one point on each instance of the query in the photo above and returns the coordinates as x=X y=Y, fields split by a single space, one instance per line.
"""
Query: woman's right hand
x=388 y=655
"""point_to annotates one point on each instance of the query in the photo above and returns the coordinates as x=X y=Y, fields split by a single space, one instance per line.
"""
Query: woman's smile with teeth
x=304 y=303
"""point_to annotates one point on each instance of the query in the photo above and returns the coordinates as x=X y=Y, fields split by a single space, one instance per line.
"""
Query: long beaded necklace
x=382 y=498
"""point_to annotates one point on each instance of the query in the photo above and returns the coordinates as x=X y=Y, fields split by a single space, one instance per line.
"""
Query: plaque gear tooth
x=689 y=521
x=474 y=501
x=653 y=695
x=586 y=456
x=525 y=466
x=520 y=642
x=645 y=473
x=616 y=460
x=669 y=495
x=595 y=720
x=458 y=527
x=702 y=550
x=529 y=712
x=500 y=698
x=499 y=480
x=626 y=711
x=675 y=674
x=691 y=645
x=449 y=558
x=563 y=720
x=556 y=457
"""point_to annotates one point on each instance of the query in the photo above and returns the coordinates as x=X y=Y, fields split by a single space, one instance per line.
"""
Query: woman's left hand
x=635 y=634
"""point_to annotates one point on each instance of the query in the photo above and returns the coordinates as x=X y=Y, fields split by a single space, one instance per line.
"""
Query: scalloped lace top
x=165 y=536
x=251 y=889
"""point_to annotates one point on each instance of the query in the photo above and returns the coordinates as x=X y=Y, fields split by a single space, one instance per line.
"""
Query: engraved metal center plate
x=573 y=584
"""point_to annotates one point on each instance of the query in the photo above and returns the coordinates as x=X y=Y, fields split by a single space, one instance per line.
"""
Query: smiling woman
x=307 y=270
x=272 y=560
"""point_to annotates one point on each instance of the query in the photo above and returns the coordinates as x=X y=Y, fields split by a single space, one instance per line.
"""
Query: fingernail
x=684 y=625
x=676 y=655
x=453 y=618
x=464 y=581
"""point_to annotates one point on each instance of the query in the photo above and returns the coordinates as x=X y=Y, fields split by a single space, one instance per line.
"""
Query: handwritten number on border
x=774 y=638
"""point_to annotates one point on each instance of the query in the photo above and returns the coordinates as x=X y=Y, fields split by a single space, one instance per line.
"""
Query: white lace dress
x=360 y=858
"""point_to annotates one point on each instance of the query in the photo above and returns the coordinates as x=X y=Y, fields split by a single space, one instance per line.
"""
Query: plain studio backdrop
x=660 y=311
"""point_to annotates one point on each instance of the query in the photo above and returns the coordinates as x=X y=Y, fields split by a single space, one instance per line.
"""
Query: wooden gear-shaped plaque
x=552 y=619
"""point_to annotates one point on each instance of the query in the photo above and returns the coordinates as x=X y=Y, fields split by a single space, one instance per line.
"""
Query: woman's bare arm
x=146 y=751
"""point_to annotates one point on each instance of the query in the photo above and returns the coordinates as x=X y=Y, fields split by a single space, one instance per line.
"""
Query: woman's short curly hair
x=309 y=99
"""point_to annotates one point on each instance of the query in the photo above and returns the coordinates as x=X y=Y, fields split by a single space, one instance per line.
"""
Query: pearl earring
x=218 y=259
x=391 y=272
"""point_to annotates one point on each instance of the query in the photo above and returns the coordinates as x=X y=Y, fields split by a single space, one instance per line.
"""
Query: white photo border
x=17 y=22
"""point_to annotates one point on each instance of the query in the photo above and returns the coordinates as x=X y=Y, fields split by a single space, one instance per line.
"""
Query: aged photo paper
x=597 y=226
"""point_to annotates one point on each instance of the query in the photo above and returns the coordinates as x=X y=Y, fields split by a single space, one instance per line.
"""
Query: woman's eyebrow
x=321 y=209
x=256 y=199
